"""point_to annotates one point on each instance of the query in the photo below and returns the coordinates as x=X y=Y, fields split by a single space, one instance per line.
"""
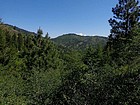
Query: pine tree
x=47 y=36
x=39 y=33
x=126 y=17
x=125 y=20
x=39 y=36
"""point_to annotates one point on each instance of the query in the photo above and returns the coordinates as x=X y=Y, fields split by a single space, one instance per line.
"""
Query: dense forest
x=35 y=70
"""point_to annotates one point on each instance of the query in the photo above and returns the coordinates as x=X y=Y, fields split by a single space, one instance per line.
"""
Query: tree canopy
x=36 y=71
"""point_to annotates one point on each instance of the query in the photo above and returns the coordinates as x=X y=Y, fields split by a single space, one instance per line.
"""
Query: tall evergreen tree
x=126 y=17
x=47 y=36
x=125 y=20
x=39 y=33
x=39 y=36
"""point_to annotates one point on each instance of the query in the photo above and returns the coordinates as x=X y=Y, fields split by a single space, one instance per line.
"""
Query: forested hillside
x=35 y=71
x=77 y=42
x=17 y=29
x=70 y=41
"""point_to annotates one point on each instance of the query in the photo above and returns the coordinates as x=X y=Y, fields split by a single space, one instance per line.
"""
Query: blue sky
x=88 y=17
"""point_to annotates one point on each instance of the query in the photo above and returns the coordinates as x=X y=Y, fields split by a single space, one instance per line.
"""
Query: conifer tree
x=126 y=17
x=39 y=33
x=125 y=20
x=47 y=36
x=39 y=36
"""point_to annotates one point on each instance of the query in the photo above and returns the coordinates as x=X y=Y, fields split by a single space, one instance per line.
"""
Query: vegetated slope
x=72 y=41
x=79 y=42
x=23 y=59
x=15 y=29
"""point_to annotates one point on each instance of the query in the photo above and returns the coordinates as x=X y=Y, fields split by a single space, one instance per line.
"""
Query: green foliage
x=39 y=33
x=77 y=42
x=20 y=42
x=35 y=71
x=30 y=68
x=126 y=18
x=125 y=21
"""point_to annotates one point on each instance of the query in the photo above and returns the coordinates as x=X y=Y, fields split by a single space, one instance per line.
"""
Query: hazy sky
x=89 y=17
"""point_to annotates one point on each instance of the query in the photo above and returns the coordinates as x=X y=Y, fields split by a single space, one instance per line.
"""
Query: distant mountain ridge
x=79 y=42
x=16 y=29
x=71 y=40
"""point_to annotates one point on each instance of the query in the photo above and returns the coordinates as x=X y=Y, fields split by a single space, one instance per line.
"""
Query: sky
x=57 y=17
